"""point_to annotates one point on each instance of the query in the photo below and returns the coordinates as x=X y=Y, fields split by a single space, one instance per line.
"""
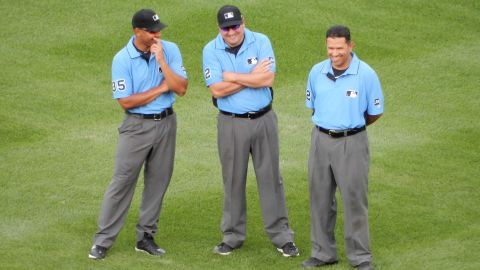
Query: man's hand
x=264 y=66
x=157 y=50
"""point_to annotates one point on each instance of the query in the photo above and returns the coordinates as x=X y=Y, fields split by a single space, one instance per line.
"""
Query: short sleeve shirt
x=341 y=104
x=216 y=60
x=132 y=74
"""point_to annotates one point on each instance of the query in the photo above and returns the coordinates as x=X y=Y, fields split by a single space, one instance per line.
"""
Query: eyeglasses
x=233 y=27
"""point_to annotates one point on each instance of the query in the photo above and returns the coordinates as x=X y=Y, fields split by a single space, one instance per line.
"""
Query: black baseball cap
x=228 y=16
x=147 y=18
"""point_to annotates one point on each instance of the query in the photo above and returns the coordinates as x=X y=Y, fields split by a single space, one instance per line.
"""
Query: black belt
x=341 y=133
x=249 y=115
x=155 y=116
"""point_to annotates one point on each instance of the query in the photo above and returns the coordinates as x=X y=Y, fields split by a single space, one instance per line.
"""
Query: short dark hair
x=339 y=31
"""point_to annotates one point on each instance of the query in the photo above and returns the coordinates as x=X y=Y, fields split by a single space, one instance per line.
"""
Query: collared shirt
x=340 y=104
x=131 y=74
x=255 y=48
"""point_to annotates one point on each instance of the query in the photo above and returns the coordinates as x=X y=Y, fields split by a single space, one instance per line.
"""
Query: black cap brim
x=157 y=27
x=230 y=23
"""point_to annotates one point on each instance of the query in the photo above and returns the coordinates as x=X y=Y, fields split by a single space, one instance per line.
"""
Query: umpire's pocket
x=129 y=124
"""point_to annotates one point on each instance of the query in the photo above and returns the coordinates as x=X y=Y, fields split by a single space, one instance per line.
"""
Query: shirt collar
x=132 y=51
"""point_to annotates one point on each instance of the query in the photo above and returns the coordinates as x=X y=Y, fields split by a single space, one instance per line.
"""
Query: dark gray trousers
x=141 y=142
x=238 y=138
x=341 y=162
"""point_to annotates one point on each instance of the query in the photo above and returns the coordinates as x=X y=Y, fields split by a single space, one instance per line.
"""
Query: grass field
x=58 y=132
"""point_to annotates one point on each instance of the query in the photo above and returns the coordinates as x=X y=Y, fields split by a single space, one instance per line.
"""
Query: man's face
x=146 y=38
x=233 y=35
x=338 y=50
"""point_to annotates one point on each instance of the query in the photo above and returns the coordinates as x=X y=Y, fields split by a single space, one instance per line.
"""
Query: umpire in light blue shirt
x=345 y=96
x=146 y=75
x=239 y=69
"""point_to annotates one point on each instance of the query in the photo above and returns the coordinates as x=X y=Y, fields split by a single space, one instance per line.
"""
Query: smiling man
x=345 y=96
x=239 y=69
x=146 y=75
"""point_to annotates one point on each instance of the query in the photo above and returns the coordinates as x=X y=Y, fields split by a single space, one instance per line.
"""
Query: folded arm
x=260 y=76
x=140 y=99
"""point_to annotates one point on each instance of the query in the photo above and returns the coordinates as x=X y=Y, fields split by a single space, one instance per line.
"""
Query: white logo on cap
x=228 y=15
x=155 y=17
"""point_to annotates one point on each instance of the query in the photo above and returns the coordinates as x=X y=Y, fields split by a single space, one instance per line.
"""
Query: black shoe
x=289 y=250
x=365 y=266
x=148 y=245
x=314 y=262
x=223 y=249
x=97 y=252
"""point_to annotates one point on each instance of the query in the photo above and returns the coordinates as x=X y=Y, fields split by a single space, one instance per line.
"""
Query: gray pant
x=237 y=139
x=141 y=141
x=341 y=162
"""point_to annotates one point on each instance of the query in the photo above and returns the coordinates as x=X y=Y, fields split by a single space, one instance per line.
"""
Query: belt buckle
x=335 y=133
x=251 y=115
x=157 y=117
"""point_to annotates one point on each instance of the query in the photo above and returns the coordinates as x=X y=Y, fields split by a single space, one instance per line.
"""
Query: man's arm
x=260 y=76
x=223 y=89
x=370 y=119
x=175 y=82
x=140 y=99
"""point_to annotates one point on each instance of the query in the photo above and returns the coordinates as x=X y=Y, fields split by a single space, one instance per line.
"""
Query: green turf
x=58 y=132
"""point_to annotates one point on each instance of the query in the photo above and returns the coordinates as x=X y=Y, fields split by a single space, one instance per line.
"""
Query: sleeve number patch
x=207 y=73
x=119 y=85
x=308 y=95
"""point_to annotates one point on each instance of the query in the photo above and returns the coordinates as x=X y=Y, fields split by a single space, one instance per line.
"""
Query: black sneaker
x=223 y=249
x=289 y=250
x=365 y=266
x=314 y=262
x=97 y=252
x=148 y=245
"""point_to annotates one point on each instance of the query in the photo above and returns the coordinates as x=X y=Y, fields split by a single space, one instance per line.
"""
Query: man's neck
x=140 y=46
x=234 y=50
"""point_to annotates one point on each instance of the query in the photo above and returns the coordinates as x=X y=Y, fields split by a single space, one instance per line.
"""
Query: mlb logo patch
x=351 y=93
x=228 y=15
x=252 y=60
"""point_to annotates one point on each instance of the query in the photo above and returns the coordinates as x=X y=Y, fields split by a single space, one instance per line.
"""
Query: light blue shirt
x=255 y=48
x=341 y=104
x=131 y=74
